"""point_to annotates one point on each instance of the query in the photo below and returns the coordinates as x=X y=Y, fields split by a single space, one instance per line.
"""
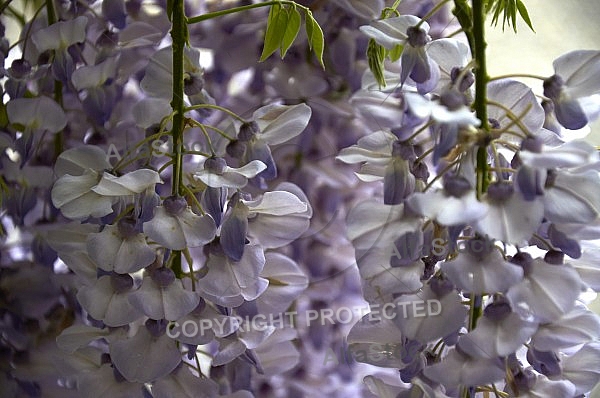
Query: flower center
x=417 y=37
x=553 y=86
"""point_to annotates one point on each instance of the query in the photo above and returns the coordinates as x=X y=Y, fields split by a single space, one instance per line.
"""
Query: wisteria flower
x=456 y=204
x=148 y=355
x=538 y=290
x=271 y=125
x=481 y=269
x=412 y=33
x=36 y=114
x=162 y=296
x=108 y=300
x=120 y=248
x=578 y=326
x=230 y=283
x=499 y=333
x=575 y=88
x=90 y=194
x=175 y=226
x=59 y=37
x=217 y=174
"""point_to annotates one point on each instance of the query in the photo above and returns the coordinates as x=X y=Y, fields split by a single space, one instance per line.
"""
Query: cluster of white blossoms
x=512 y=323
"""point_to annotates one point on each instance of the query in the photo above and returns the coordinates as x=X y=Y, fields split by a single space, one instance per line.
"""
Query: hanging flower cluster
x=175 y=213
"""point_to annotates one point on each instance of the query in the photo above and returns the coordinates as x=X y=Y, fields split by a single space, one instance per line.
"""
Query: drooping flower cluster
x=497 y=249
x=135 y=268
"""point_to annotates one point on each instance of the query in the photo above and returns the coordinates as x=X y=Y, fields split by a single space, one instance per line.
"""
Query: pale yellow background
x=561 y=26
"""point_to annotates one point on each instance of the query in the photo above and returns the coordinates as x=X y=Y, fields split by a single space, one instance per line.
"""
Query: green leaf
x=396 y=52
x=314 y=33
x=276 y=25
x=375 y=58
x=291 y=31
x=524 y=14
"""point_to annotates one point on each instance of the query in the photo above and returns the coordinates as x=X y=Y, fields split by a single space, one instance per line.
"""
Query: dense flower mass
x=368 y=214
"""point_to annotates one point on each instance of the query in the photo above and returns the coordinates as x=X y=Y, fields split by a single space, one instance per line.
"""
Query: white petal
x=371 y=221
x=378 y=109
x=491 y=339
x=68 y=188
x=60 y=35
x=521 y=101
x=391 y=31
x=548 y=290
x=448 y=210
x=580 y=70
x=573 y=198
x=583 y=368
x=286 y=282
x=281 y=123
x=144 y=358
x=41 y=113
x=103 y=303
x=150 y=111
x=78 y=336
x=157 y=81
x=427 y=328
x=182 y=384
x=511 y=221
x=198 y=230
x=165 y=230
x=171 y=302
x=251 y=169
x=375 y=147
x=490 y=274
x=94 y=75
x=133 y=182
x=277 y=203
x=571 y=154
x=576 y=327
x=76 y=161
x=230 y=284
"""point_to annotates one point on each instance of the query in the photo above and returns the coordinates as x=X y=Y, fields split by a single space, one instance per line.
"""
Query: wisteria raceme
x=366 y=214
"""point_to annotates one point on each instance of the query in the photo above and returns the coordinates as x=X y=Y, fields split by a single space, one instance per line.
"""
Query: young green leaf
x=276 y=25
x=375 y=58
x=315 y=36
x=291 y=30
x=395 y=52
x=524 y=14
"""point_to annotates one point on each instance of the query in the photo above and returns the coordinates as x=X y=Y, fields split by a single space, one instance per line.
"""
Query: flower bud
x=174 y=205
x=20 y=68
x=554 y=257
x=126 y=227
x=121 y=283
x=500 y=191
x=162 y=276
x=456 y=186
x=248 y=130
x=215 y=165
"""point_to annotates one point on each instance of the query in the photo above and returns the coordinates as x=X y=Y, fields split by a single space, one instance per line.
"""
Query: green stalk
x=233 y=10
x=178 y=35
x=481 y=80
x=58 y=88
